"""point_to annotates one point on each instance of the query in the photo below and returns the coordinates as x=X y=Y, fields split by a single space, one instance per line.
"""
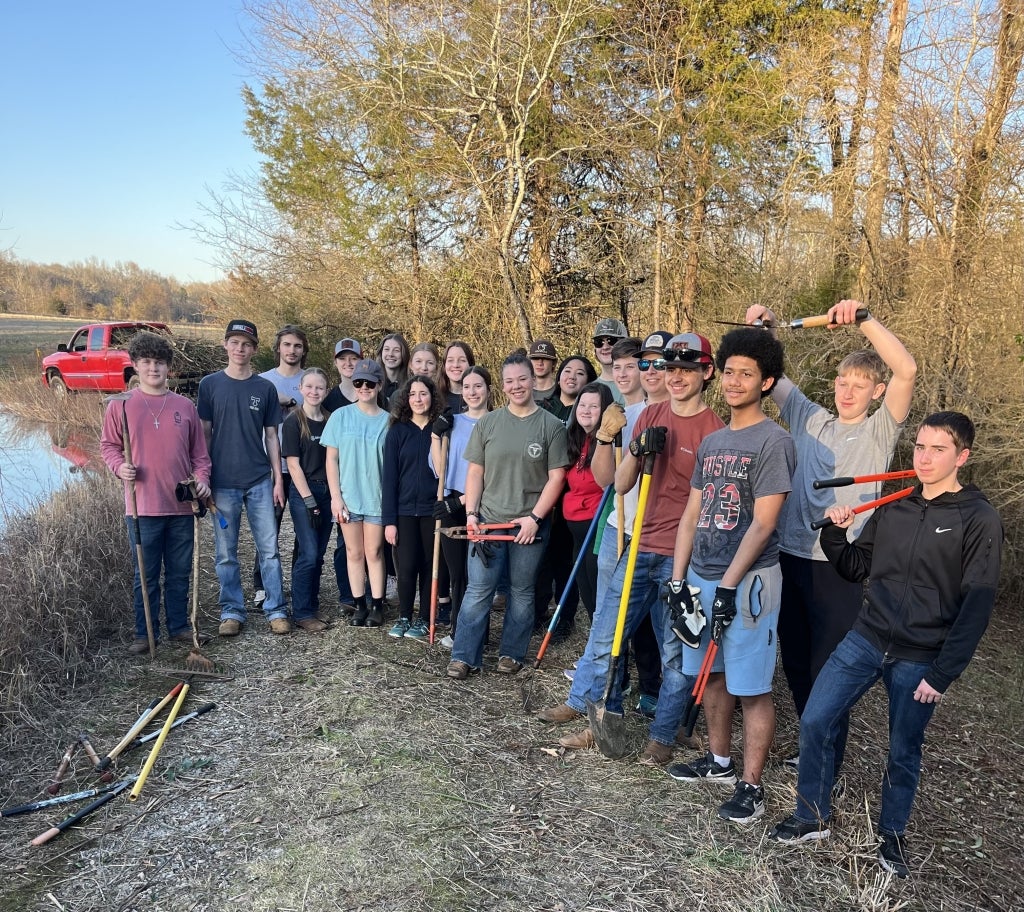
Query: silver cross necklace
x=156 y=417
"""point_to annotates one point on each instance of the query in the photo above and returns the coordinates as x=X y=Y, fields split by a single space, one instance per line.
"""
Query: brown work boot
x=459 y=671
x=186 y=637
x=311 y=625
x=230 y=628
x=684 y=740
x=280 y=626
x=656 y=754
x=558 y=715
x=138 y=647
x=508 y=666
x=581 y=740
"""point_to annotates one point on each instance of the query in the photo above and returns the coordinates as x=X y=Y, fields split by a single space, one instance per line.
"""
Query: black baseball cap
x=242 y=328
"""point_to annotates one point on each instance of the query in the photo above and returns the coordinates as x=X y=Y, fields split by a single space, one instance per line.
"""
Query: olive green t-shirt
x=517 y=454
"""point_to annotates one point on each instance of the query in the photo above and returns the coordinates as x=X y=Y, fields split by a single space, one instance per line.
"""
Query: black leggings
x=586 y=576
x=413 y=559
x=455 y=552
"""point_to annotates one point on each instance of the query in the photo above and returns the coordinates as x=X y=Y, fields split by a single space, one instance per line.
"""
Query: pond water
x=37 y=459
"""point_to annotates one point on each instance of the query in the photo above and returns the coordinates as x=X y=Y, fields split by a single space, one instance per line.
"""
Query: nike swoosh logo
x=848 y=439
x=939 y=531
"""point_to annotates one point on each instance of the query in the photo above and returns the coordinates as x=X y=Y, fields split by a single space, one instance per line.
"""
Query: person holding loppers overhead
x=669 y=431
x=517 y=457
x=168 y=446
x=727 y=547
x=818 y=605
x=309 y=498
x=240 y=413
x=409 y=491
x=930 y=562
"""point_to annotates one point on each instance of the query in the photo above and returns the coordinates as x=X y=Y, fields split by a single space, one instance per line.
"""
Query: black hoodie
x=932 y=568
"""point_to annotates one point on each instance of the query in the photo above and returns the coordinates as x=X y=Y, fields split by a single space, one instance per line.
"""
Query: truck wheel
x=57 y=386
x=133 y=382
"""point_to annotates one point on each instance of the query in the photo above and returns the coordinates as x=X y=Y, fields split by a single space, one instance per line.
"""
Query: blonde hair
x=304 y=433
x=866 y=363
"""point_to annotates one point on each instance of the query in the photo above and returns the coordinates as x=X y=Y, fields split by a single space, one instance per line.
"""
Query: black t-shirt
x=335 y=400
x=312 y=456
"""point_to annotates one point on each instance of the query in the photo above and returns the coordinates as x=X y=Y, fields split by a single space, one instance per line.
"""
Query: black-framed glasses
x=601 y=341
x=361 y=384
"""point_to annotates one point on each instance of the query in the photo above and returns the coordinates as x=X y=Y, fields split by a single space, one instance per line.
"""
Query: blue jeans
x=258 y=502
x=847 y=675
x=519 y=563
x=167 y=542
x=651 y=571
x=312 y=545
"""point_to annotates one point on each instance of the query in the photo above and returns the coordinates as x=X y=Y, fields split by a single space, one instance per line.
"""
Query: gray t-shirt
x=733 y=469
x=616 y=392
x=825 y=448
x=289 y=388
x=238 y=410
x=517 y=454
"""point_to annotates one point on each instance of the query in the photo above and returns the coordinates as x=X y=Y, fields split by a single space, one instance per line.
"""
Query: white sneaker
x=260 y=597
x=447 y=642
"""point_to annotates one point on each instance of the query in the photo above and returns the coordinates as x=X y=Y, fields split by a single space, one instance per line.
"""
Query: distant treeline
x=97 y=291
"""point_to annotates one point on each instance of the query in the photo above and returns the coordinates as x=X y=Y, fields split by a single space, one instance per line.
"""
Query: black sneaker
x=746 y=804
x=892 y=854
x=793 y=760
x=704 y=768
x=793 y=830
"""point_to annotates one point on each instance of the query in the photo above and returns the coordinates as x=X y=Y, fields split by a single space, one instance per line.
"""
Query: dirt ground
x=343 y=770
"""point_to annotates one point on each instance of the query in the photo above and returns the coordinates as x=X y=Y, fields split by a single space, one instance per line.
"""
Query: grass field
x=25 y=340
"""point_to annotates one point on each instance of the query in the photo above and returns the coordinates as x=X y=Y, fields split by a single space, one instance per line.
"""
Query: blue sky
x=118 y=119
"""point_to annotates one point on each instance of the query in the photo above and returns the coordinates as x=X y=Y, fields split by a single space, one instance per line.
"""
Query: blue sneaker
x=418 y=630
x=648 y=706
x=401 y=628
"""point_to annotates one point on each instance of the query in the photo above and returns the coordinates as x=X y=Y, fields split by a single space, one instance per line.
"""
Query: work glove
x=612 y=422
x=688 y=620
x=312 y=511
x=443 y=423
x=447 y=506
x=723 y=610
x=650 y=442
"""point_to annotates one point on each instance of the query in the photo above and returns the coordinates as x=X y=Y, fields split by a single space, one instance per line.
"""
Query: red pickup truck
x=96 y=359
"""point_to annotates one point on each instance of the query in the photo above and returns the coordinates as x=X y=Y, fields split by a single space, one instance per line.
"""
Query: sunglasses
x=682 y=357
x=363 y=384
x=601 y=341
x=645 y=364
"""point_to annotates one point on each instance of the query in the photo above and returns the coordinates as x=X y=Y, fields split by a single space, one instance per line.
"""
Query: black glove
x=447 y=506
x=312 y=511
x=444 y=422
x=485 y=551
x=650 y=442
x=688 y=620
x=723 y=610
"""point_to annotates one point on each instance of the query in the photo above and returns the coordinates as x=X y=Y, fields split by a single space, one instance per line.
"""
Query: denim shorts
x=363 y=518
x=748 y=649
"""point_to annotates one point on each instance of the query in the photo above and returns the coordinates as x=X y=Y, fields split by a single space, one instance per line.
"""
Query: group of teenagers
x=726 y=552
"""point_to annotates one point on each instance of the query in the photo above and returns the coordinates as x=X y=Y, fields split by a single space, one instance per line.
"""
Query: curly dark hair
x=150 y=345
x=578 y=436
x=400 y=410
x=758 y=345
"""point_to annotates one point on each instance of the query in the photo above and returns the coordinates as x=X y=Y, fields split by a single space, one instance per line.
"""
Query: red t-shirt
x=673 y=469
x=583 y=494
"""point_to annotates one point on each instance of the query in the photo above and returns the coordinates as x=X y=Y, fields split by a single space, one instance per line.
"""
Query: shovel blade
x=609 y=730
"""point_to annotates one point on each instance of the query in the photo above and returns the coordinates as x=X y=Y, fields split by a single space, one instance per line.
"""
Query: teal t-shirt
x=359 y=439
x=517 y=454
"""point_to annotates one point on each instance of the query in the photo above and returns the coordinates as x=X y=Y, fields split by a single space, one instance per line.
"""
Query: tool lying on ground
x=608 y=728
x=862 y=508
x=801 y=323
x=58 y=777
x=83 y=813
x=843 y=480
x=147 y=716
x=584 y=548
x=147 y=767
x=483 y=532
x=54 y=802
